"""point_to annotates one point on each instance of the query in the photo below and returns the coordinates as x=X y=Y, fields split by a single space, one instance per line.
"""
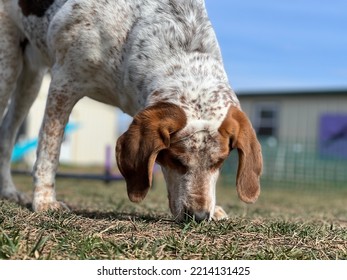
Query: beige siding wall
x=298 y=115
x=86 y=145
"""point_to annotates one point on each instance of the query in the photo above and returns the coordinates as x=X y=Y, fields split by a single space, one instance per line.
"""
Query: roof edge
x=291 y=92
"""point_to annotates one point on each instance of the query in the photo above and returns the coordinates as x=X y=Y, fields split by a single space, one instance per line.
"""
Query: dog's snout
x=197 y=216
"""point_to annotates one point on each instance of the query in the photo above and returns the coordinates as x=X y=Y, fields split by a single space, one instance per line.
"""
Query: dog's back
x=113 y=43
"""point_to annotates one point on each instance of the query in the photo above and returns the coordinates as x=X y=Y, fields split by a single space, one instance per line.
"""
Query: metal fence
x=294 y=165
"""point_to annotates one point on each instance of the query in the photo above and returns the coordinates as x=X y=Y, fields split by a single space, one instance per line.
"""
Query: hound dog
x=157 y=60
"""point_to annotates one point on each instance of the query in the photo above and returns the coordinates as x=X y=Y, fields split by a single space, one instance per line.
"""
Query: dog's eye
x=178 y=165
x=218 y=164
x=166 y=159
x=177 y=162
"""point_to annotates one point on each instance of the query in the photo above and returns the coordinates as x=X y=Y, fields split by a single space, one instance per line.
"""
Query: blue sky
x=282 y=44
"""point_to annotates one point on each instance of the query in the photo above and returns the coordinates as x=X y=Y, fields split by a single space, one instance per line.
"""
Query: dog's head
x=191 y=155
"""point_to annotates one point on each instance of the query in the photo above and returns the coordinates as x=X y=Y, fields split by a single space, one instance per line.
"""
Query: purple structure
x=333 y=136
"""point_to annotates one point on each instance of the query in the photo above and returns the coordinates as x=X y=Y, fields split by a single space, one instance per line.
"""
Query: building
x=297 y=116
x=303 y=133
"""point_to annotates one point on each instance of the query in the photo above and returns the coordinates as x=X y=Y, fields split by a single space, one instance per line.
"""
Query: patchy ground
x=103 y=224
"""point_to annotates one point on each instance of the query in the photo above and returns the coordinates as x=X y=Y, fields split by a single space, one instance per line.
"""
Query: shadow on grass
x=121 y=216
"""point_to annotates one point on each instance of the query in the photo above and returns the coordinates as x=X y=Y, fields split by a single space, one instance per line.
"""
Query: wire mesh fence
x=294 y=165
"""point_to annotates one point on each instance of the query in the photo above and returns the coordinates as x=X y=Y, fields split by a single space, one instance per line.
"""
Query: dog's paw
x=50 y=206
x=16 y=196
x=219 y=214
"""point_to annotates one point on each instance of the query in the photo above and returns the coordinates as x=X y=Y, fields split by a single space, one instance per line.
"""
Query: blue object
x=24 y=147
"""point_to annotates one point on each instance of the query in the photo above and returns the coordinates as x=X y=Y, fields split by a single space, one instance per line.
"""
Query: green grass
x=103 y=224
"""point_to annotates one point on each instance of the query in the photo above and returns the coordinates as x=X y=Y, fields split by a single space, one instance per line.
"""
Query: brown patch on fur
x=137 y=148
x=238 y=128
x=35 y=7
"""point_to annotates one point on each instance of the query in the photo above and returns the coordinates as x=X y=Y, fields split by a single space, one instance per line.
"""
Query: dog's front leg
x=59 y=106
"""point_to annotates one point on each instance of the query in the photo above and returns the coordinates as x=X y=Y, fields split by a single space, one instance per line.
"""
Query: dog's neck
x=179 y=58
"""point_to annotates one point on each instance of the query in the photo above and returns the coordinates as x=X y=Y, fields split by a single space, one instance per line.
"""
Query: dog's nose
x=198 y=216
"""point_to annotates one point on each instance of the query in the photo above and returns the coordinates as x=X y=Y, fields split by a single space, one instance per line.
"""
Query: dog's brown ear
x=138 y=147
x=242 y=136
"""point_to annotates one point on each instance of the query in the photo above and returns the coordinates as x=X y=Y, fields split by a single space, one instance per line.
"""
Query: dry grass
x=283 y=224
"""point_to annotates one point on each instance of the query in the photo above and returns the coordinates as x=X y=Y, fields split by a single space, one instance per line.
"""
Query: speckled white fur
x=131 y=54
